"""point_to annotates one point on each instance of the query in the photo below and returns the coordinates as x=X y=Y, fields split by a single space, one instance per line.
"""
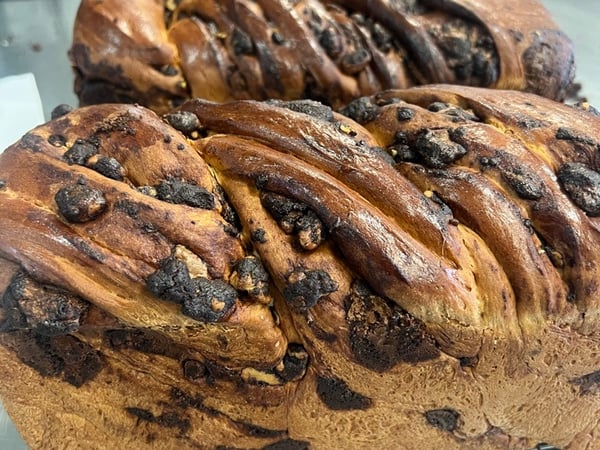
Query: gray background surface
x=35 y=36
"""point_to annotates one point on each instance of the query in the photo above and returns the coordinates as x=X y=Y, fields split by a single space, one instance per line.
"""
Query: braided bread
x=160 y=53
x=420 y=272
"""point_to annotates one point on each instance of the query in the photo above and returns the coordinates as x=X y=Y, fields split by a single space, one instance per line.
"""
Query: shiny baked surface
x=250 y=273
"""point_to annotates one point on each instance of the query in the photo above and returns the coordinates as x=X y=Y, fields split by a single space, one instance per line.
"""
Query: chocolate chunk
x=382 y=37
x=305 y=288
x=311 y=108
x=193 y=370
x=80 y=152
x=445 y=419
x=57 y=140
x=277 y=38
x=80 y=203
x=210 y=300
x=582 y=185
x=2 y=184
x=295 y=217
x=331 y=41
x=259 y=235
x=589 y=383
x=171 y=281
x=45 y=309
x=310 y=230
x=185 y=193
x=436 y=149
x=33 y=142
x=60 y=110
x=568 y=134
x=250 y=276
x=336 y=394
x=241 y=42
x=382 y=334
x=288 y=444
x=526 y=184
x=356 y=61
x=361 y=110
x=294 y=363
x=284 y=210
x=403 y=113
x=184 y=121
x=108 y=166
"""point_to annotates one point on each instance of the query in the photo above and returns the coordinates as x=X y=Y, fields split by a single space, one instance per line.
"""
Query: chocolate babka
x=421 y=272
x=159 y=53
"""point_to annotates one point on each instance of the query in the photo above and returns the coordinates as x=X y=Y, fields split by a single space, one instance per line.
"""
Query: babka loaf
x=418 y=272
x=160 y=53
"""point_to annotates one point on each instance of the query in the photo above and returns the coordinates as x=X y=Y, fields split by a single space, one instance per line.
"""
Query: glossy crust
x=426 y=278
x=160 y=53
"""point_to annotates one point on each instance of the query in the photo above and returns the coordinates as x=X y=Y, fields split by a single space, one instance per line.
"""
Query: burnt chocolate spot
x=166 y=419
x=310 y=107
x=382 y=334
x=295 y=217
x=259 y=235
x=109 y=167
x=120 y=123
x=568 y=134
x=184 y=121
x=526 y=184
x=210 y=300
x=193 y=370
x=436 y=149
x=80 y=203
x=453 y=112
x=185 y=193
x=582 y=186
x=445 y=419
x=57 y=140
x=305 y=288
x=60 y=110
x=336 y=394
x=171 y=281
x=589 y=384
x=80 y=152
x=2 y=184
x=241 y=42
x=44 y=309
x=288 y=444
x=361 y=110
x=180 y=146
x=403 y=113
x=250 y=276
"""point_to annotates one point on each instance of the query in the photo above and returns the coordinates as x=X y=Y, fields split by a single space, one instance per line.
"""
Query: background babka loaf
x=160 y=53
x=420 y=273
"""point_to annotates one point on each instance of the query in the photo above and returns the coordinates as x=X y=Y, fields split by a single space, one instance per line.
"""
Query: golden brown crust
x=159 y=53
x=276 y=274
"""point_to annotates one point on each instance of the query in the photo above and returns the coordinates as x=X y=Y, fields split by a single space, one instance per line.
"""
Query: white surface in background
x=20 y=109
